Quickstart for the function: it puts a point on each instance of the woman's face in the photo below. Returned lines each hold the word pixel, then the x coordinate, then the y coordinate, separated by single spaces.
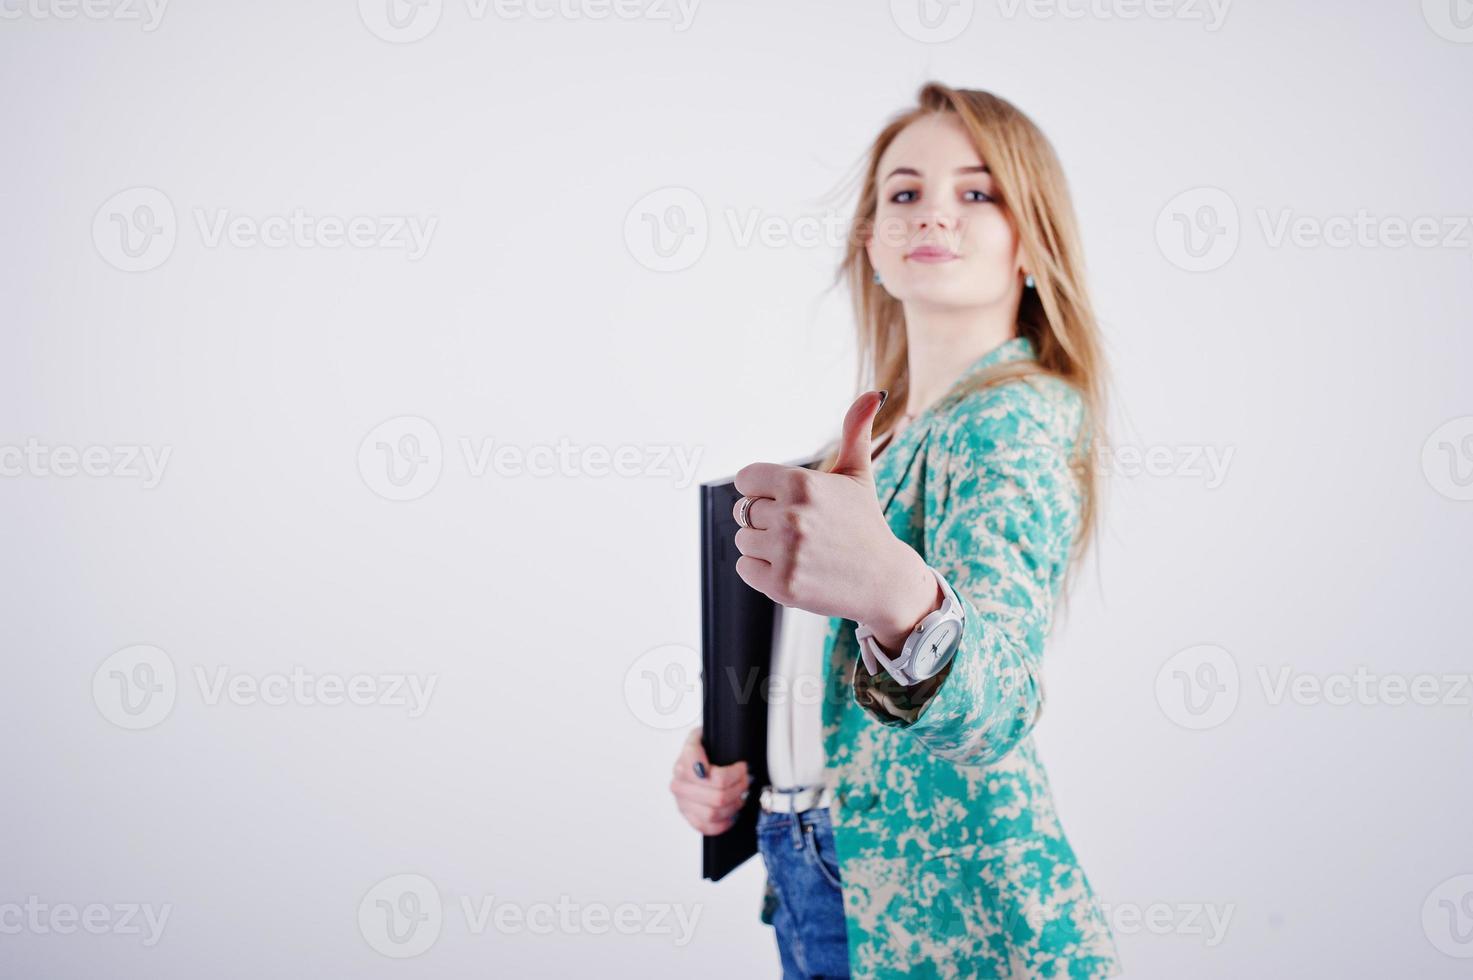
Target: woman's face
pixel 941 236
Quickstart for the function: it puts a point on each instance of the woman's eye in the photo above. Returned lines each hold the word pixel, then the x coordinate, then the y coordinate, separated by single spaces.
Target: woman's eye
pixel 899 197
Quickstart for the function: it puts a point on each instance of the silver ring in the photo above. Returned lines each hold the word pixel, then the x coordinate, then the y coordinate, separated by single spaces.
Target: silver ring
pixel 743 518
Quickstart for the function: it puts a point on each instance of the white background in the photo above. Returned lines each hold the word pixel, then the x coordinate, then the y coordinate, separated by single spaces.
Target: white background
pixel 1335 541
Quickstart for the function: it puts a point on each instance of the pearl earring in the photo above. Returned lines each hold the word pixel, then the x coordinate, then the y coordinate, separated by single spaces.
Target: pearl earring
pixel 1029 281
pixel 877 277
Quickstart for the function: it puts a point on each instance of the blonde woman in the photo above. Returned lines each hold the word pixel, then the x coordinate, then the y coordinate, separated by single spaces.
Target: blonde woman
pixel 908 827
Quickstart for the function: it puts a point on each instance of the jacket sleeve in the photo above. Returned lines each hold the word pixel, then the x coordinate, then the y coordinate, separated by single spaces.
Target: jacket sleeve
pixel 1002 508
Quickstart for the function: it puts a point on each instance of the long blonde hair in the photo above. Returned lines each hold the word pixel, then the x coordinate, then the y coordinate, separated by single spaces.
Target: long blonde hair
pixel 1056 316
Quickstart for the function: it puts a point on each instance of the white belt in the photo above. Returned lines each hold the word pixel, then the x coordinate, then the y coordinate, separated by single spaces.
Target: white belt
pixel 795 801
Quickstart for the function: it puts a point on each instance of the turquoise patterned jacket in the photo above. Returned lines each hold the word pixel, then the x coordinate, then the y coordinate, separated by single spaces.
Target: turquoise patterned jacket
pixel 953 860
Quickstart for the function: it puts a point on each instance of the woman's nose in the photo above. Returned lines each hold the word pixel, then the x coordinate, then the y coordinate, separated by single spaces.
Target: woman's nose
pixel 937 220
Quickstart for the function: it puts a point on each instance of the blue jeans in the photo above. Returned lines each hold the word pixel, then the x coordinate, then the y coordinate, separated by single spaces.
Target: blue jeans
pixel 798 849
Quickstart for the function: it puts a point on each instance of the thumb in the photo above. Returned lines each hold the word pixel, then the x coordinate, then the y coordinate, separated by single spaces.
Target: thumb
pixel 854 444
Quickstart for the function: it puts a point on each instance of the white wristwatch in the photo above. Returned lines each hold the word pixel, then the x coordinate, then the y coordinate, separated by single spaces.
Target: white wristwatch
pixel 928 647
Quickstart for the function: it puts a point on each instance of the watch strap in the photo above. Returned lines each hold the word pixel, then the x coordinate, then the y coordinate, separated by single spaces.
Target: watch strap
pixel 898 667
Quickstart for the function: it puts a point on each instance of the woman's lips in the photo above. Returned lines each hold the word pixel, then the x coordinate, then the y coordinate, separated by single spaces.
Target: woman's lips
pixel 928 253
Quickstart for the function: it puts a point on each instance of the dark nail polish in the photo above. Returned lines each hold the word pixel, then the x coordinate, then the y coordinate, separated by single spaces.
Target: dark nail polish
pixel 884 393
pixel 701 770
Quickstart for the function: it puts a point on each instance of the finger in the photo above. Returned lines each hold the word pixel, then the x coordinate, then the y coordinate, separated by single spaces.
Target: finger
pixel 760 515
pixel 708 826
pixel 854 444
pixel 764 480
pixel 718 816
pixel 766 545
pixel 693 751
pixel 718 777
pixel 696 793
pixel 757 573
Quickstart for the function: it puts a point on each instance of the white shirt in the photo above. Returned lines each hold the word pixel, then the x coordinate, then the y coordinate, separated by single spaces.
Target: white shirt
pixel 795 754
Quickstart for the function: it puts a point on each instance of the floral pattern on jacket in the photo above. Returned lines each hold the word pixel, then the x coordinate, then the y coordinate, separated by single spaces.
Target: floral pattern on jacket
pixel 952 856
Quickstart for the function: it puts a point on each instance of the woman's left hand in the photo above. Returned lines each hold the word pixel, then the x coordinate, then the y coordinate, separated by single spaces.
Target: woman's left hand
pixel 819 540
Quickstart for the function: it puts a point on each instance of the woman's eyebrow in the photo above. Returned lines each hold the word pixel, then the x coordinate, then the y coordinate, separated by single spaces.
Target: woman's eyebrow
pixel 913 172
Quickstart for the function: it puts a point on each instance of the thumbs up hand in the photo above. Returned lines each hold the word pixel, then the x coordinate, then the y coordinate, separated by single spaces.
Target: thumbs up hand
pixel 855 448
pixel 819 540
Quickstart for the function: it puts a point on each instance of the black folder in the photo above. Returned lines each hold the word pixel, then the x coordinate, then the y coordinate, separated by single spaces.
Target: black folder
pixel 736 660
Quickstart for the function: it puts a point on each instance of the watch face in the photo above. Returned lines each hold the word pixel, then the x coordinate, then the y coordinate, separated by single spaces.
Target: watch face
pixel 936 649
